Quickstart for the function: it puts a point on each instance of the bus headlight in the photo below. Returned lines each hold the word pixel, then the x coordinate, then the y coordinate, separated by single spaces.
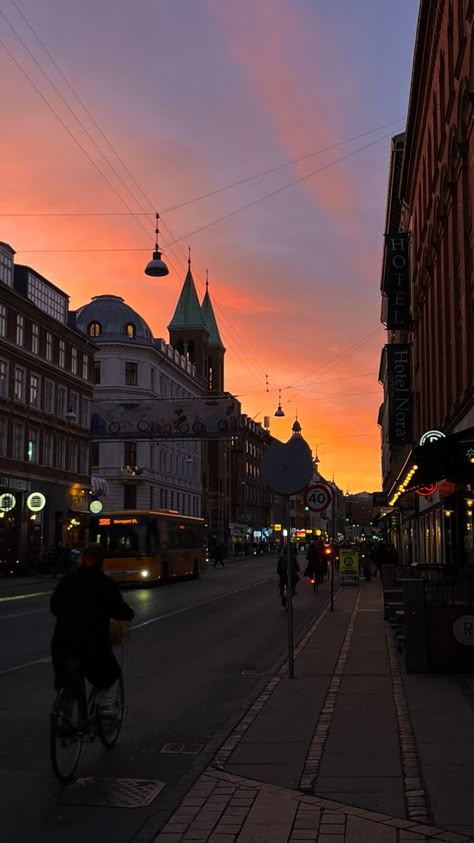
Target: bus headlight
pixel 145 573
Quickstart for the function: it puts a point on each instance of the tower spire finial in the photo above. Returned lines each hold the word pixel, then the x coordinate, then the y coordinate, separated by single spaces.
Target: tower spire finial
pixel 207 280
pixel 189 257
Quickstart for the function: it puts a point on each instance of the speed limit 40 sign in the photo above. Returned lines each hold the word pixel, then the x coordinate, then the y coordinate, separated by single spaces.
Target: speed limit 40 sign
pixel 318 497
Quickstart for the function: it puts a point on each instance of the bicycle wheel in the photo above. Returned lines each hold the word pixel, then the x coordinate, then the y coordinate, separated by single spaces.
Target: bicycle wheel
pixel 108 728
pixel 66 736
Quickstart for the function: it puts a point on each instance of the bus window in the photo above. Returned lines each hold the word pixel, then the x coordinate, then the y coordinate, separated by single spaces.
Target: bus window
pixel 122 540
pixel 154 535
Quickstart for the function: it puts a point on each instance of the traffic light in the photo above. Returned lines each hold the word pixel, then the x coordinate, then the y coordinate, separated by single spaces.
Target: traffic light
pixel 306 509
pixel 346 518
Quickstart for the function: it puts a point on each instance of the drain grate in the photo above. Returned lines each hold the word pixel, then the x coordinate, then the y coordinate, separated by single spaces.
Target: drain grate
pixel 112 793
pixel 182 748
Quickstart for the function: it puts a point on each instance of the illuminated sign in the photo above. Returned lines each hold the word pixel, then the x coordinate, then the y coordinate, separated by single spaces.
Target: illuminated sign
pixel 104 522
pixel 36 502
pixel 432 436
pixel 397 280
pixel 125 521
pixel 426 491
pixel 277 527
pixel 7 502
pixel 96 507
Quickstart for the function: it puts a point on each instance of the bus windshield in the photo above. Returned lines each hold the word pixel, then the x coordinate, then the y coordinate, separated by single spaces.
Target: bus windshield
pixel 121 537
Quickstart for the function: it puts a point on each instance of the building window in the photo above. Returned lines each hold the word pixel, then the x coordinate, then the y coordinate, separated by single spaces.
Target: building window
pixel 74 405
pixel 49 346
pixel 20 382
pixel 61 402
pixel 3 379
pixel 129 496
pixel 62 354
pixel 33 445
pixel 48 449
pixel 6 269
pixel 3 436
pixel 35 339
pixel 95 453
pixel 20 329
pixel 130 330
pixel 46 299
pixel 49 397
pixel 18 441
pixel 60 452
pixel 72 455
pixel 74 361
pixel 85 412
pixel 3 320
pixel 131 374
pixel 94 329
pixel 96 372
pixel 85 367
pixel 35 391
pixel 130 453
pixel 84 466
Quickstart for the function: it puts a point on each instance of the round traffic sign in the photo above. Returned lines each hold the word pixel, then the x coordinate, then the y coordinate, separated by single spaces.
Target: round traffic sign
pixel 318 497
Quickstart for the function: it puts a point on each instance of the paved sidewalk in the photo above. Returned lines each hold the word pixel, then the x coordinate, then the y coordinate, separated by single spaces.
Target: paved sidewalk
pixel 350 750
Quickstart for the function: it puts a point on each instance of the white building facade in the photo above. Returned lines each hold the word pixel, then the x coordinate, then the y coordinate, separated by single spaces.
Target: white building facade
pixel 131 365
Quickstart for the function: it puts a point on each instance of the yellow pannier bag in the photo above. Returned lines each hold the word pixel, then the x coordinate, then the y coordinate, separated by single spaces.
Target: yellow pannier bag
pixel 118 632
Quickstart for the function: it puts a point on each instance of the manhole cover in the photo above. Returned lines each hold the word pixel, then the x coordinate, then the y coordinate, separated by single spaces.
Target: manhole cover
pixel 112 793
pixel 182 748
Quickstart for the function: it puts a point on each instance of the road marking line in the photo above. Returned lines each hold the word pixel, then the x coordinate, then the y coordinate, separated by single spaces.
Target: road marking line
pixel 47 660
pixel 201 603
pixel 23 614
pixel 24 596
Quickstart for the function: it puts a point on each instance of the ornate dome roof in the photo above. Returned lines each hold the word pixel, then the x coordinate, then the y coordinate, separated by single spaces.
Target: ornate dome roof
pixel 108 318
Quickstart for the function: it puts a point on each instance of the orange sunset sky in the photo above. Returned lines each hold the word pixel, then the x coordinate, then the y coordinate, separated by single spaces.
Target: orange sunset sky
pixel 195 95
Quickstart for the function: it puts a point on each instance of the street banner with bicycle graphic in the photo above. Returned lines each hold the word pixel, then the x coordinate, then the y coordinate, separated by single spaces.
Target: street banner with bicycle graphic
pixel 199 418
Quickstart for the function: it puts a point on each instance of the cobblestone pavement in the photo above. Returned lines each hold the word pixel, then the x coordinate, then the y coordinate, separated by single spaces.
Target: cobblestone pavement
pixel 221 808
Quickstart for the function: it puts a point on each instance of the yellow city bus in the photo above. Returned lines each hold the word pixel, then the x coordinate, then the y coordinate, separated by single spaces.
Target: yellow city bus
pixel 150 546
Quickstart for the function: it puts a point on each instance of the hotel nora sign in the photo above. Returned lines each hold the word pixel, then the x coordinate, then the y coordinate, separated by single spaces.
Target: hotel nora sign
pixel 399 393
pixel 397 280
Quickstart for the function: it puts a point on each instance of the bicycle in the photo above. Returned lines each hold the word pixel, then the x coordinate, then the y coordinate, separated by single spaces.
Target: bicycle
pixel 76 719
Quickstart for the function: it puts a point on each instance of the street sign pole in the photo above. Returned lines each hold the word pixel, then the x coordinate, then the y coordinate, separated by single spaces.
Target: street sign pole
pixel 289 596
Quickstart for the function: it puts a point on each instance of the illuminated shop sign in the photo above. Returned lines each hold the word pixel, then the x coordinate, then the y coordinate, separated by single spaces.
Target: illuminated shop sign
pixel 36 502
pixel 7 502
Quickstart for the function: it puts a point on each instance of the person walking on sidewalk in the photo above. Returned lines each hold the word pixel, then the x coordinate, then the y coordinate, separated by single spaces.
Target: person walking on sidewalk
pixel 219 554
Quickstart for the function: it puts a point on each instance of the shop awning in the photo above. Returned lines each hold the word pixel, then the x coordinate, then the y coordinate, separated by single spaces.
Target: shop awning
pixel 449 458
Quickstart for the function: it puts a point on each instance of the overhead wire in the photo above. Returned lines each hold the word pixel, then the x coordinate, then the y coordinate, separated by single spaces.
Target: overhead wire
pixel 176 241
pixel 187 201
pixel 92 139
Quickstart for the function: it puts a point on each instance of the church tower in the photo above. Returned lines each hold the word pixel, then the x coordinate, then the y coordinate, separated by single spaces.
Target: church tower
pixel 216 350
pixel 187 329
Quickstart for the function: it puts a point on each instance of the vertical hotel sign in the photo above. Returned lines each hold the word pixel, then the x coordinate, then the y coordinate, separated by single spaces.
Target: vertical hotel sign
pixel 399 393
pixel 397 280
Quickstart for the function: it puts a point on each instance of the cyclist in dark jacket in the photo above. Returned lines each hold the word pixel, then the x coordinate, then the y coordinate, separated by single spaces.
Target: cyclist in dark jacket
pixel 282 571
pixel 84 603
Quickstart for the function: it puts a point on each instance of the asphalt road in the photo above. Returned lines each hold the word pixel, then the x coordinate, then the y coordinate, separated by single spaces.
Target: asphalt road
pixel 199 653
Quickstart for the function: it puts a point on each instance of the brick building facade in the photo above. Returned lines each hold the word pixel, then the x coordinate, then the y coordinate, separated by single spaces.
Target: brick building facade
pixel 435 197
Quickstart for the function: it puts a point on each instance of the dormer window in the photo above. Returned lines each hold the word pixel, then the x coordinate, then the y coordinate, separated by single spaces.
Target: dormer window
pixel 94 329
pixel 130 330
